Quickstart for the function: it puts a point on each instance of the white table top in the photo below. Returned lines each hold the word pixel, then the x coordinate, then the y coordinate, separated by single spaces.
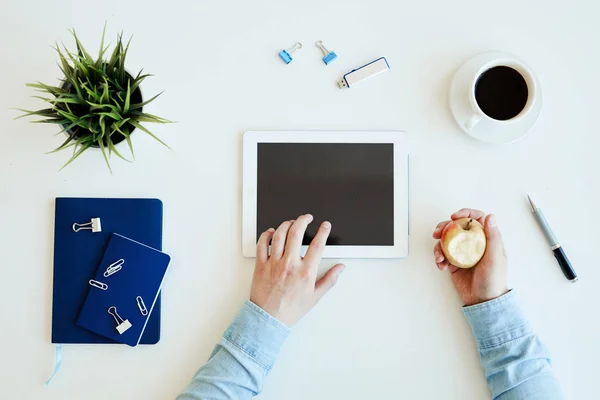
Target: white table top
pixel 390 329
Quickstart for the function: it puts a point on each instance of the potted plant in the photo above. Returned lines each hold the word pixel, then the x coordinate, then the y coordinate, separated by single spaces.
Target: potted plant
pixel 98 103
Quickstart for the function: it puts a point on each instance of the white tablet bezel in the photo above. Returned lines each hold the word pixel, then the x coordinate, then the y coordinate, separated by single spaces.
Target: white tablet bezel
pixel 401 194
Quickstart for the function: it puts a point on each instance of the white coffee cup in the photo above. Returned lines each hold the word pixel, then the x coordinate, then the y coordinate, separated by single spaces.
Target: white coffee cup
pixel 533 92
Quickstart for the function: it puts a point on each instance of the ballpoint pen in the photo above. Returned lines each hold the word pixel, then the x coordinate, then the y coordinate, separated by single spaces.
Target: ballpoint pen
pixel 559 253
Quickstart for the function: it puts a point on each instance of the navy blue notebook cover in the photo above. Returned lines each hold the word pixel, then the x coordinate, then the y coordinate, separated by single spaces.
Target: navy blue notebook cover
pixel 124 290
pixel 78 254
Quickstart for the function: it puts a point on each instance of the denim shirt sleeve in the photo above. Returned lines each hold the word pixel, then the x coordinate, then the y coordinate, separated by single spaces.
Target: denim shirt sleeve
pixel 516 362
pixel 240 362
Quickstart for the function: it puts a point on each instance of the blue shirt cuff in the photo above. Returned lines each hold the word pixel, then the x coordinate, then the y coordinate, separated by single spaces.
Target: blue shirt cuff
pixel 257 334
pixel 497 321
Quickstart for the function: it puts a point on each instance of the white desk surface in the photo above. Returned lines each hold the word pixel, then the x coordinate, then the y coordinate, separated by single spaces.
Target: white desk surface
pixel 390 329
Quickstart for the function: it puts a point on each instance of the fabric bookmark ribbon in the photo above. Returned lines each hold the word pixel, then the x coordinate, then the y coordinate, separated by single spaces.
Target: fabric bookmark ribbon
pixel 57 362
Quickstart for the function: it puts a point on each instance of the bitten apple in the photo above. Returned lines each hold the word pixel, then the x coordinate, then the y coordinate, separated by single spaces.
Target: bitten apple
pixel 463 242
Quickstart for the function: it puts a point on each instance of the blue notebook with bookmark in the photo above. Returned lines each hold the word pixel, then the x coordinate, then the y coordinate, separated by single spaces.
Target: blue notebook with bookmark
pixel 77 256
pixel 124 290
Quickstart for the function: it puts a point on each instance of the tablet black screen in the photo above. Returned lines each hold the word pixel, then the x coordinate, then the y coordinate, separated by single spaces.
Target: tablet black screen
pixel 350 185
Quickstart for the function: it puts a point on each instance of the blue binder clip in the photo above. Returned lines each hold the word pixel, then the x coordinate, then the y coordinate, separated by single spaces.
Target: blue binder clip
pixel 286 55
pixel 329 56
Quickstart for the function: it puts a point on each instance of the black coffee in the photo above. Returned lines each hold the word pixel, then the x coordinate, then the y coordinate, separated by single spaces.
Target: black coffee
pixel 501 93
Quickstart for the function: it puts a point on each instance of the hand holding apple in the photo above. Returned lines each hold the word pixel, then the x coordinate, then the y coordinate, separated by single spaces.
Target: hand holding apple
pixel 487 279
pixel 463 242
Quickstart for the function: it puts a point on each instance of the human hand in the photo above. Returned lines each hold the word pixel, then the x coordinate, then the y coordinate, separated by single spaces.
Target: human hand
pixel 488 279
pixel 285 285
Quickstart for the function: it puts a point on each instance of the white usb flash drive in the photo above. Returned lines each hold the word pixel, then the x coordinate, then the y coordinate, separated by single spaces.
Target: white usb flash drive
pixel 365 72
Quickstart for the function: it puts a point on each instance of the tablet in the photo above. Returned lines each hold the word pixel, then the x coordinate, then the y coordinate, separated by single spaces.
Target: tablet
pixel 356 180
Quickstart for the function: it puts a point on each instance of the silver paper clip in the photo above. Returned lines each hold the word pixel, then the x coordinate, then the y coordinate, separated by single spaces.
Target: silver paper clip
pixel 98 284
pixel 122 324
pixel 94 225
pixel 141 305
pixel 114 268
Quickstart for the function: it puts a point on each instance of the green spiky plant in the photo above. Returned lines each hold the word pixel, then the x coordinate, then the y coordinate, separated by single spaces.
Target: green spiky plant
pixel 98 103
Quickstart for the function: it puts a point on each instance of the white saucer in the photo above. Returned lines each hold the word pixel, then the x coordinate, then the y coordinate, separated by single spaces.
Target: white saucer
pixel 486 130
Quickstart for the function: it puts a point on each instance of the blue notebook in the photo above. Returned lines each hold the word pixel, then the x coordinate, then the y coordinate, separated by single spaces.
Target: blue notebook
pixel 124 290
pixel 78 254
